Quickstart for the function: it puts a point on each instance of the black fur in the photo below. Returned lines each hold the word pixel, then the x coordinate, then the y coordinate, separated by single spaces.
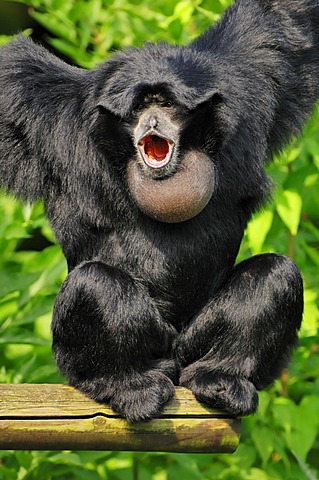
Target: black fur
pixel 149 305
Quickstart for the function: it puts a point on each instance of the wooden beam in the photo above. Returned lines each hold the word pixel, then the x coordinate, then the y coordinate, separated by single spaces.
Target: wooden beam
pixel 58 417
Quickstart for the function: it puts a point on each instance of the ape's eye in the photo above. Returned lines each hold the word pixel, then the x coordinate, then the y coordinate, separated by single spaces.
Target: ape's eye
pixel 138 107
pixel 167 104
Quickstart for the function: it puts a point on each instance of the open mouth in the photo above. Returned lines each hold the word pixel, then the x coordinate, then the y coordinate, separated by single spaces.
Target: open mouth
pixel 156 151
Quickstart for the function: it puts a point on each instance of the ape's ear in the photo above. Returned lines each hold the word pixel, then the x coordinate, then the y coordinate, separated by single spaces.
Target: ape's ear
pixel 204 114
pixel 40 105
pixel 209 103
pixel 205 124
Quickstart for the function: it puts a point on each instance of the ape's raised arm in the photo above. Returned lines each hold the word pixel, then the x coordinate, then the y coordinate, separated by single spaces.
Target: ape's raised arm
pixel 266 56
pixel 39 95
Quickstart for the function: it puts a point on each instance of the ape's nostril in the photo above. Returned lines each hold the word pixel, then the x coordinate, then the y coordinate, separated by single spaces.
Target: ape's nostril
pixel 153 122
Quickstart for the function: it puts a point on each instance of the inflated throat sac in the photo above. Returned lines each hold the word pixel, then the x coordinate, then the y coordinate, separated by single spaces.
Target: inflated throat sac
pixel 176 198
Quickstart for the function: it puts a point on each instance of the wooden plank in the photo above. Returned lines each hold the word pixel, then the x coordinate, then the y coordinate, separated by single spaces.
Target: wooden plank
pixel 61 400
pixel 58 417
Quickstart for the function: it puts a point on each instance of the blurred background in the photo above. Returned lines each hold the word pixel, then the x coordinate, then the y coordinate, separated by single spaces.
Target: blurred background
pixel 280 442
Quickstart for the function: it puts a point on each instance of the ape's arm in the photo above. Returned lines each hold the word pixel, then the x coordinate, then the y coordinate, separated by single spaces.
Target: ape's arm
pixel 39 95
pixel 266 59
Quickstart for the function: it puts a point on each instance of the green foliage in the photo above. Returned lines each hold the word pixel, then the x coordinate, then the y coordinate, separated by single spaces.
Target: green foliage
pixel 29 281
pixel 87 31
pixel 281 441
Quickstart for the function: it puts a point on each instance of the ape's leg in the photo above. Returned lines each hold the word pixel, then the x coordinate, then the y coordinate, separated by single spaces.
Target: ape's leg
pixel 111 343
pixel 243 338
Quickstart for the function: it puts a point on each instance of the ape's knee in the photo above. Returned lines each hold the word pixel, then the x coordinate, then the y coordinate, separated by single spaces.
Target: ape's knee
pixel 275 277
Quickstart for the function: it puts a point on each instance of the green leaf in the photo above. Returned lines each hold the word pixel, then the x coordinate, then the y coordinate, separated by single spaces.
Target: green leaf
pixel 312 252
pixel 258 229
pixel 66 458
pixel 305 469
pixel 16 337
pixel 289 206
pixel 305 427
pixel 15 231
pixel 257 474
pixel 57 24
pixel 298 422
pixel 212 16
pixel 184 11
pixel 263 438
pixel 81 57
pixel 310 321
pixel 12 282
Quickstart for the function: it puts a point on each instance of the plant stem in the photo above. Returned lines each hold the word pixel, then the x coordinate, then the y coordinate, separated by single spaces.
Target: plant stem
pixel 135 466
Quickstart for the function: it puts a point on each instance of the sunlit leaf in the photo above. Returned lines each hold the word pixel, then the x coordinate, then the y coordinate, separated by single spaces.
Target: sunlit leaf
pixel 258 229
pixel 289 206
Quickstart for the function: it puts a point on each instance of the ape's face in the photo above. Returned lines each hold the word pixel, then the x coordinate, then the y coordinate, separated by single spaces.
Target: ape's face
pixel 156 133
pixel 170 179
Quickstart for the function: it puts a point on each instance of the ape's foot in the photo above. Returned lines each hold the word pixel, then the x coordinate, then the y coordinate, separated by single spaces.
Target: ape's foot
pixel 234 395
pixel 137 397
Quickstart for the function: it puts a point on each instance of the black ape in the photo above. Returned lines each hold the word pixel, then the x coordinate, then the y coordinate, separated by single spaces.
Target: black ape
pixel 150 167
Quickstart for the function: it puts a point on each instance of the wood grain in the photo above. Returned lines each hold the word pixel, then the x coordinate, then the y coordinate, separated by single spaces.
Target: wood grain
pixel 58 417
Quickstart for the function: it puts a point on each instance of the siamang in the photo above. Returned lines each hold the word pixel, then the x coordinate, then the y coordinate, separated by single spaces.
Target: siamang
pixel 150 167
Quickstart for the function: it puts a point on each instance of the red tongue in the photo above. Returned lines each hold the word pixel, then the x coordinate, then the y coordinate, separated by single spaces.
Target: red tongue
pixel 156 147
